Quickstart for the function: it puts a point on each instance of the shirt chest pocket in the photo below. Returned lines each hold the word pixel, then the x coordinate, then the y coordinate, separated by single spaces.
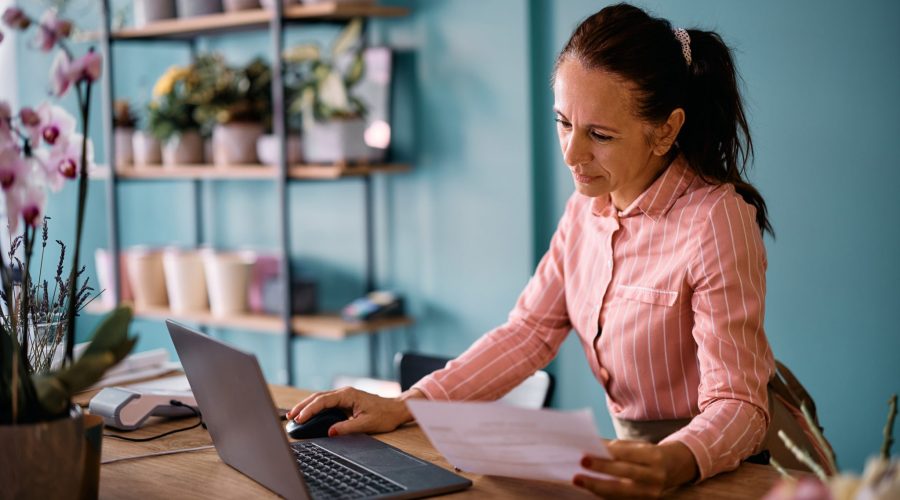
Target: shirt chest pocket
pixel 647 295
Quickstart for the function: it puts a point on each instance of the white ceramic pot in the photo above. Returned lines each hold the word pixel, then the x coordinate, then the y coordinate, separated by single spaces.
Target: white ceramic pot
pixel 270 4
pixel 183 149
pixel 268 149
pixel 148 281
pixel 233 5
pixel 191 8
pixel 104 277
pixel 148 11
pixel 335 141
pixel 227 279
pixel 122 137
pixel 185 280
pixel 146 148
pixel 235 143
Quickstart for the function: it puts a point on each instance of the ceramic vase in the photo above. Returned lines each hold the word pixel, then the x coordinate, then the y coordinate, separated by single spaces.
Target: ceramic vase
pixel 185 148
pixel 335 141
pixel 185 280
pixel 268 149
pixel 234 5
pixel 148 281
pixel 146 148
pixel 149 11
pixel 235 143
pixel 270 4
pixel 227 279
pixel 191 8
pixel 122 138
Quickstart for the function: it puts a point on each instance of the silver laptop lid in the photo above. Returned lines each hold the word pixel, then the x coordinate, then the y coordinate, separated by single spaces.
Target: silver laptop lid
pixel 238 410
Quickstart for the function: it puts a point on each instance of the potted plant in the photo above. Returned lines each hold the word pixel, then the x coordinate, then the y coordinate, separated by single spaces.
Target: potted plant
pixel 192 8
pixel 234 103
pixel 149 11
pixel 170 118
pixel 333 118
pixel 42 432
pixel 124 121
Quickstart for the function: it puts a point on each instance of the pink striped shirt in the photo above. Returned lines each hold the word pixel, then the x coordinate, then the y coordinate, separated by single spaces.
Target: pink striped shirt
pixel 667 298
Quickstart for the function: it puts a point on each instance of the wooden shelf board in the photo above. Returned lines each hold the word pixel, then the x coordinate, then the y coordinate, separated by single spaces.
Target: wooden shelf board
pixel 255 18
pixel 237 172
pixel 323 326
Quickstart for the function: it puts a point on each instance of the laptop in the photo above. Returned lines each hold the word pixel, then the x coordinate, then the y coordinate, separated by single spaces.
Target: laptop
pixel 236 405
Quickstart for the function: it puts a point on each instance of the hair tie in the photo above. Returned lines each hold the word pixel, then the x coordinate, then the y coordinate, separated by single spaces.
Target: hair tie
pixel 684 39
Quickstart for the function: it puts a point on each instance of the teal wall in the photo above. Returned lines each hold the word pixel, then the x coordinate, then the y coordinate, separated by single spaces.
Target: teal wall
pixel 460 234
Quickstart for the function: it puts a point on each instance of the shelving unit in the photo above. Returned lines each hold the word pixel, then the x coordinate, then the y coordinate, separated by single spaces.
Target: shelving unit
pixel 326 326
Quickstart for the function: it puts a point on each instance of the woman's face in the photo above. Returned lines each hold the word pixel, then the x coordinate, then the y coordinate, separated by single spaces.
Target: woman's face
pixel 606 146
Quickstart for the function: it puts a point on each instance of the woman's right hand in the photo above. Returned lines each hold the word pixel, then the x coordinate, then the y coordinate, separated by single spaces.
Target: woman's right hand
pixel 368 413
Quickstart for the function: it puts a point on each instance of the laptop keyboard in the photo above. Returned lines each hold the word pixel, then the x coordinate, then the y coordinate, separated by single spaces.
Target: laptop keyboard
pixel 331 476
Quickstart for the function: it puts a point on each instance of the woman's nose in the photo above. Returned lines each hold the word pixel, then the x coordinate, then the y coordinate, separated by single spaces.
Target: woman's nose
pixel 576 149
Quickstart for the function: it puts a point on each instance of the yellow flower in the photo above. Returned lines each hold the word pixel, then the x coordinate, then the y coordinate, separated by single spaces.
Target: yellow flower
pixel 167 81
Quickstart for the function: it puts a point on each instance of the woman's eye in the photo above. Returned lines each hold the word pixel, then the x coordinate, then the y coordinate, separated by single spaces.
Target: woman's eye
pixel 600 137
pixel 562 123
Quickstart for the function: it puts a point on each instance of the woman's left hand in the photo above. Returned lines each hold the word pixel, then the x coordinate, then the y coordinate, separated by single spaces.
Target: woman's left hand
pixel 639 469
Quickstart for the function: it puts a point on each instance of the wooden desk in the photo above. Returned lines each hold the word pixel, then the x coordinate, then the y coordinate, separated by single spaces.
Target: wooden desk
pixel 201 474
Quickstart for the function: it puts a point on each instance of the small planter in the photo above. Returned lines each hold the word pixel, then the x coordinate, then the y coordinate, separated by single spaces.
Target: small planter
pixel 227 279
pixel 270 4
pixel 148 281
pixel 235 143
pixel 123 144
pixel 335 141
pixel 183 149
pixel 191 8
pixel 268 149
pixel 146 149
pixel 104 277
pixel 148 11
pixel 233 5
pixel 185 280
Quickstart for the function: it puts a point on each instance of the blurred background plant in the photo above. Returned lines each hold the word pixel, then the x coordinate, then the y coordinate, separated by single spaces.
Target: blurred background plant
pixel 171 110
pixel 124 115
pixel 224 94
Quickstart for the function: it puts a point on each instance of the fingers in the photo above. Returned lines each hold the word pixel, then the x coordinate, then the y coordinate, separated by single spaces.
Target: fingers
pixel 638 452
pixel 614 488
pixel 302 404
pixel 626 470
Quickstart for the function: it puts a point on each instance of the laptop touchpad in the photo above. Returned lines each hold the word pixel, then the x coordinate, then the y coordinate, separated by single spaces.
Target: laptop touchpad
pixel 385 459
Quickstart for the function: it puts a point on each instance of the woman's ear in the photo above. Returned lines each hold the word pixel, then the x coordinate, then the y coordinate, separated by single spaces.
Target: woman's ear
pixel 667 132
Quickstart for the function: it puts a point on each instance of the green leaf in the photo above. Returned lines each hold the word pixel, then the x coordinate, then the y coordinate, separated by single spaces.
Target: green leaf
pixel 112 332
pixel 348 38
pixel 356 71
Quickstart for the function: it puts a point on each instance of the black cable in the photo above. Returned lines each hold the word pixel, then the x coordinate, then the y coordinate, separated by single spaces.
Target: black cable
pixel 173 402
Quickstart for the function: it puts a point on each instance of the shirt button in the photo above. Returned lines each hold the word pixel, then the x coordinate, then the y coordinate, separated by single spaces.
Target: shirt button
pixel 609 264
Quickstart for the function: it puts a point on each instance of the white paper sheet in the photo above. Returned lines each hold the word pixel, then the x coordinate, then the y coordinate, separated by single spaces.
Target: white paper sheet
pixel 503 440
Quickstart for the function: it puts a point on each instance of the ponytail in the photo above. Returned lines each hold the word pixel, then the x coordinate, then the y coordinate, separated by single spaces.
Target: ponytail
pixel 699 77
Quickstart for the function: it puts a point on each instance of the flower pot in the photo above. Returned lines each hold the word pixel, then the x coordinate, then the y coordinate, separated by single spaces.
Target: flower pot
pixel 146 149
pixel 270 4
pixel 183 149
pixel 104 277
pixel 227 279
pixel 235 143
pixel 268 149
pixel 122 137
pixel 335 141
pixel 148 11
pixel 44 459
pixel 185 280
pixel 265 270
pixel 233 5
pixel 145 272
pixel 191 8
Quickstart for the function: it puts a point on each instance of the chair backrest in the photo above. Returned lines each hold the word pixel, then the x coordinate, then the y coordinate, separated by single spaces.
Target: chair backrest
pixel 533 392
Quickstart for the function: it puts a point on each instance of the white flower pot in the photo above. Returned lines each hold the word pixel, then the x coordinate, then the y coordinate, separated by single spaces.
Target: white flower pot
pixel 148 11
pixel 227 279
pixel 233 5
pixel 270 4
pixel 185 280
pixel 146 148
pixel 191 8
pixel 268 149
pixel 122 138
pixel 148 281
pixel 104 277
pixel 183 149
pixel 235 143
pixel 335 141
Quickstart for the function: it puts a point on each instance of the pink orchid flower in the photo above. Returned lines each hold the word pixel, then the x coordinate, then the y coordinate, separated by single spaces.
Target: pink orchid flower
pixel 59 74
pixel 52 29
pixel 5 122
pixel 87 67
pixel 31 122
pixel 1 37
pixel 64 161
pixel 25 200
pixel 56 123
pixel 12 165
pixel 15 18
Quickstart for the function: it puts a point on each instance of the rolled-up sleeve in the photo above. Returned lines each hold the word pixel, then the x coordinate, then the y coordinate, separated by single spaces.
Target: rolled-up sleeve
pixel 735 361
pixel 527 342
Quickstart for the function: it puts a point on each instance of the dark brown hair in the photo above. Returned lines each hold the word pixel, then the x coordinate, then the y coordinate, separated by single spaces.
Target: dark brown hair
pixel 715 139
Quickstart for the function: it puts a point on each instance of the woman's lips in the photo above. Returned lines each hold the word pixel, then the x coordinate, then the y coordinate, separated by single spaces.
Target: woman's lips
pixel 582 179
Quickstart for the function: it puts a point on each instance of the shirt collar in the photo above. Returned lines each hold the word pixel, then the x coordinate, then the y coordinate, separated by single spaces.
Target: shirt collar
pixel 657 199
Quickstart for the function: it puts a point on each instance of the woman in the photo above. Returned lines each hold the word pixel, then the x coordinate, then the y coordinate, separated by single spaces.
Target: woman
pixel 658 263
